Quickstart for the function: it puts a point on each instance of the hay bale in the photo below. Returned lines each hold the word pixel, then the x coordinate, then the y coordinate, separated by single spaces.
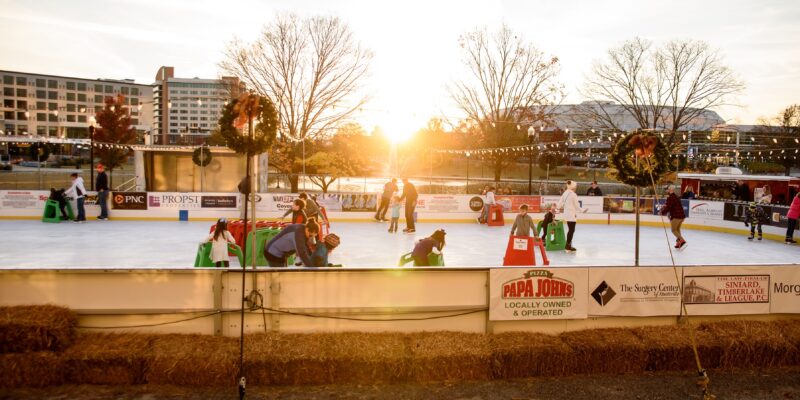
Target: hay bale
pixel 523 354
pixel 669 348
pixel 437 356
pixel 612 350
pixel 107 359
pixel 37 369
pixel 790 329
pixel 193 360
pixel 36 328
pixel 747 344
pixel 325 358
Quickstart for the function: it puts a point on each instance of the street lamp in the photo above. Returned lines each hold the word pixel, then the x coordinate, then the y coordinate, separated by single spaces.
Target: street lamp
pixel 531 137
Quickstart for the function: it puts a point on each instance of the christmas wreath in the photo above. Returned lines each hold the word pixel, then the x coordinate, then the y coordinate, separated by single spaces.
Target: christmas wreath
pixel 653 159
pixel 238 113
pixel 202 156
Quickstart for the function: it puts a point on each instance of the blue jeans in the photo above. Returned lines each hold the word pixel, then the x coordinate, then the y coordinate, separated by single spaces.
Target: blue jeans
pixel 81 210
pixel 102 200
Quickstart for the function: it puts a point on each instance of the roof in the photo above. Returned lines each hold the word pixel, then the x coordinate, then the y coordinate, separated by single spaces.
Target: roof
pixel 575 116
pixel 118 81
pixel 715 177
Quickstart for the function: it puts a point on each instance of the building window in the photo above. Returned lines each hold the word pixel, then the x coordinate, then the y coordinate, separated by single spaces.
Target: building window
pixel 42 117
pixel 70 85
pixel 53 131
pixel 8 91
pixel 22 81
pixel 22 92
pixel 70 96
pixel 52 95
pixel 21 116
pixel 98 88
pixel 81 86
pixel 98 109
pixel 98 98
pixel 41 83
pixel 41 94
pixel 81 118
pixel 52 118
pixel 52 84
pixel 8 115
pixel 134 122
pixel 41 130
pixel 134 91
pixel 70 118
pixel 81 97
pixel 124 90
pixel 8 80
pixel 40 105
pixel 8 103
pixel 134 101
pixel 22 104
pixel 70 107
pixel 52 106
pixel 109 89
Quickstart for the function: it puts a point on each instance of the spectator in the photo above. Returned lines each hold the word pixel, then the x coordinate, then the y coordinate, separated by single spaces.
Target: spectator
pixel 741 191
pixel 219 240
pixel 767 197
pixel 523 224
pixel 101 186
pixel 791 219
pixel 594 190
pixel 78 191
pixel 410 196
pixel 674 208
pixel 389 189
pixel 292 240
pixel 688 193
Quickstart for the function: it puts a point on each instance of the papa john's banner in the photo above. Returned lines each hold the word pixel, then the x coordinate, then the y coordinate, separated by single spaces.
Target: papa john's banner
pixel 726 290
pixel 634 292
pixel 519 294
pixel 785 290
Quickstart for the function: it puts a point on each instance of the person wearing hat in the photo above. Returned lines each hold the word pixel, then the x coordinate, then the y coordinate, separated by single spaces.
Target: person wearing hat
pixel 101 186
pixel 320 256
pixel 431 244
pixel 570 205
pixel 674 208
pixel 755 216
pixel 219 240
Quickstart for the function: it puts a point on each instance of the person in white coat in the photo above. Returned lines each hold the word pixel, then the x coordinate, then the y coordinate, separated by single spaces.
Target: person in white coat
pixel 78 191
pixel 219 243
pixel 570 206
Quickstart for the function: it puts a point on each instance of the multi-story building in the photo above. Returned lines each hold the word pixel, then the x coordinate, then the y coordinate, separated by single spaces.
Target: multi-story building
pixel 60 106
pixel 186 111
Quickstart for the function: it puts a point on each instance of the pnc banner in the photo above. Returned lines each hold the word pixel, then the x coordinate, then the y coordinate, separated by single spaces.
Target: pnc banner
pixel 129 200
pixel 634 292
pixel 518 294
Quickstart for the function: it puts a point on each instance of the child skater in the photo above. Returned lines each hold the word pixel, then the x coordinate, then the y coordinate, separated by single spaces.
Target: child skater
pixel 219 243
pixel 395 206
pixel 432 244
pixel 549 217
pixel 523 224
pixel 298 212
pixel 322 250
pixel 755 215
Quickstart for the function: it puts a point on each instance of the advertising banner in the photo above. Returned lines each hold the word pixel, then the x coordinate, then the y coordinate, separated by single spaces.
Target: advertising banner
pixel 726 290
pixel 657 206
pixel 218 201
pixel 357 202
pixel 129 200
pixel 785 290
pixel 548 200
pixel 333 202
pixel 512 203
pixel 626 205
pixel 444 203
pixel 706 209
pixel 519 294
pixel 182 201
pixel 594 204
pixel 634 292
pixel 23 199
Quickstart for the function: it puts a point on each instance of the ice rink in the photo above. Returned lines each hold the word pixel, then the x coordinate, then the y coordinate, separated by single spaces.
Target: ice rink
pixel 145 244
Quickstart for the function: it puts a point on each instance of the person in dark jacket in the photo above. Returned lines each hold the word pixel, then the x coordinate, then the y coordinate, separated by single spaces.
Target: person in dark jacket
pixel 410 196
pixel 320 256
pixel 389 190
pixel 688 193
pixel 755 216
pixel 674 208
pixel 434 243
pixel 594 190
pixel 292 239
pixel 298 212
pixel 101 186
pixel 741 191
pixel 549 218
pixel 58 195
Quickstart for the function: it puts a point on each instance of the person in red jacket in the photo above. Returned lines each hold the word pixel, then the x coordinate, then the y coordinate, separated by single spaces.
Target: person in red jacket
pixel 674 208
pixel 791 217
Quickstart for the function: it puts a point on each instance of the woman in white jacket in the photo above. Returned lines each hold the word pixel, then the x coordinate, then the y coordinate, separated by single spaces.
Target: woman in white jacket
pixel 570 206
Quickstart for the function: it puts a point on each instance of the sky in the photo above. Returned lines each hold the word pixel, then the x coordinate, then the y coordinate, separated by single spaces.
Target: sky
pixel 415 43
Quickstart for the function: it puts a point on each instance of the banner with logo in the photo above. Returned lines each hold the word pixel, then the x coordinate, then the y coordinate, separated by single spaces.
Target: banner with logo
pixel 657 206
pixel 512 203
pixel 519 294
pixel 785 290
pixel 23 199
pixel 726 290
pixel 706 209
pixel 627 205
pixel 333 202
pixel 444 203
pixel 634 292
pixel 177 201
pixel 129 200
pixel 218 201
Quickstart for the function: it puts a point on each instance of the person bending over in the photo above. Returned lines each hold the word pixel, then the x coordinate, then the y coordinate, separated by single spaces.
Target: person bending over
pixel 292 240
pixel 298 212
pixel 431 244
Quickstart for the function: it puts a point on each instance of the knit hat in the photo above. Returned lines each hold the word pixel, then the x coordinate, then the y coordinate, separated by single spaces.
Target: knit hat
pixel 752 204
pixel 331 240
pixel 572 185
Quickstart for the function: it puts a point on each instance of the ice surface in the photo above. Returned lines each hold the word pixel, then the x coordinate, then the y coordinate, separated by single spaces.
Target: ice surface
pixel 159 244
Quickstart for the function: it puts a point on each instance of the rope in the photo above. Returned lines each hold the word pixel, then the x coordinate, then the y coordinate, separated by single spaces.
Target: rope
pixel 704 380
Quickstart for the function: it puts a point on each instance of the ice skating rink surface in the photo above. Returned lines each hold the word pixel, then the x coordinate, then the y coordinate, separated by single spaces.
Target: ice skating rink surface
pixel 158 244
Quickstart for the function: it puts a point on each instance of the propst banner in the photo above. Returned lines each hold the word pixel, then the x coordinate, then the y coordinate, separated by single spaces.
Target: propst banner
pixel 726 290
pixel 530 294
pixel 634 292
pixel 785 290
pixel 707 209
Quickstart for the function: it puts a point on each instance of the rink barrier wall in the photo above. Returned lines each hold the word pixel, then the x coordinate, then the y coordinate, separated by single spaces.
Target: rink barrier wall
pixel 454 299
pixel 162 206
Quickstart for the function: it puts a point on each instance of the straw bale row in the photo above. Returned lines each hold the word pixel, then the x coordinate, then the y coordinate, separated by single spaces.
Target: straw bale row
pixel 36 328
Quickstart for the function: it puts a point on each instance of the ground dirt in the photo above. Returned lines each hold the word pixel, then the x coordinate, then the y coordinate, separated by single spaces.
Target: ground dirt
pixel 734 385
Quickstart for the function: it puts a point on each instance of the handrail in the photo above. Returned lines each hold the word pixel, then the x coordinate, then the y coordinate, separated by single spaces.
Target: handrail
pixel 130 182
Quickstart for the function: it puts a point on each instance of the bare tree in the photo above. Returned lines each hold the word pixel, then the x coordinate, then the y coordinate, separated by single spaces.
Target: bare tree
pixel 510 83
pixel 666 88
pixel 783 132
pixel 312 69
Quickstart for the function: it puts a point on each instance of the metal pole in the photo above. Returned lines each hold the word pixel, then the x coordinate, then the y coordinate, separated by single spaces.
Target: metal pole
pixel 304 162
pixel 530 172
pixel 636 260
pixel 466 190
pixel 91 156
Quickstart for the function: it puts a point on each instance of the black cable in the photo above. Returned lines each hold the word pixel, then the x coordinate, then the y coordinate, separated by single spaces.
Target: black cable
pixel 156 324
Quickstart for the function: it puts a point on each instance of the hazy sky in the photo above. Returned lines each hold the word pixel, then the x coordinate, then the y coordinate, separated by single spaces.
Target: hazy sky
pixel 415 42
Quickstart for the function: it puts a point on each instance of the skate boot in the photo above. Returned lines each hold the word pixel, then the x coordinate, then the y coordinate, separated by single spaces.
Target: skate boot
pixel 750 238
pixel 759 237
pixel 569 248
pixel 790 241
pixel 681 244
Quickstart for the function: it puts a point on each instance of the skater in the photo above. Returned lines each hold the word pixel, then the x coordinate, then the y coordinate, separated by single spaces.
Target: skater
pixel 486 204
pixel 78 191
pixel 410 195
pixel 594 190
pixel 292 239
pixel 688 194
pixel 322 250
pixel 549 217
pixel 523 224
pixel 570 206
pixel 395 206
pixel 311 208
pixel 389 189
pixel 297 211
pixel 755 217
pixel 791 219
pixel 219 240
pixel 101 186
pixel 58 195
pixel 432 244
pixel 674 208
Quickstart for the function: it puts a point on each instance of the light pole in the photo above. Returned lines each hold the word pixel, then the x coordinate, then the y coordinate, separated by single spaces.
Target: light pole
pixel 531 136
pixel 91 152
pixel 466 190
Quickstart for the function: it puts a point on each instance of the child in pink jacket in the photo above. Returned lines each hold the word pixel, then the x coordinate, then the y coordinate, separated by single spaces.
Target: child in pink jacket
pixel 791 217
